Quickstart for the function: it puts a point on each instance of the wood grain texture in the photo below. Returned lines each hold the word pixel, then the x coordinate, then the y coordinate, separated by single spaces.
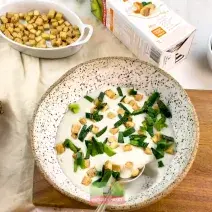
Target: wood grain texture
pixel 194 194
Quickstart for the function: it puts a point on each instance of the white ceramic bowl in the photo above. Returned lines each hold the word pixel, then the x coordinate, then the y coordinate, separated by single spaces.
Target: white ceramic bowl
pixel 209 53
pixel 43 7
pixel 125 72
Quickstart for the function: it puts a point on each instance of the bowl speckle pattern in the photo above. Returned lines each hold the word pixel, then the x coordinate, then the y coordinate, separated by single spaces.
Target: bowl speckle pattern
pixel 115 71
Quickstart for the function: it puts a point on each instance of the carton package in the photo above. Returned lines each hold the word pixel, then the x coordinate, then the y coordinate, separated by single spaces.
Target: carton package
pixel 150 30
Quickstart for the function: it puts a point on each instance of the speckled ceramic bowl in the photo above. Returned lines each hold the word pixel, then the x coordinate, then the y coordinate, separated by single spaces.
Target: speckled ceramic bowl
pixel 116 71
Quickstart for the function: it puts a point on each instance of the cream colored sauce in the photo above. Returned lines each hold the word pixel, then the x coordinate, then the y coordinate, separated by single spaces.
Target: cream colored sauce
pixel 137 155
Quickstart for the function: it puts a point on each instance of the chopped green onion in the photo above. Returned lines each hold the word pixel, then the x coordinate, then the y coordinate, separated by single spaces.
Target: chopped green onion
pixel 149 103
pixel 163 145
pixel 89 115
pixel 161 123
pixel 105 141
pixel 79 161
pixel 101 97
pixel 94 116
pixel 98 145
pixel 150 130
pixel 153 113
pixel 119 91
pixel 138 137
pixel 89 149
pixel 101 132
pixel 98 183
pixel 90 99
pixel 149 120
pixel 74 108
pixel 139 143
pixel 69 144
pixel 84 131
pixel 120 116
pixel 123 120
pixel 122 98
pixel 168 138
pixel 138 112
pixel 164 109
pixel 152 99
pixel 157 153
pixel 97 117
pixel 132 92
pixel 147 125
pixel 129 131
pixel 160 164
pixel 99 173
pixel 106 176
pixel 102 181
pixel 121 137
pixel 101 106
pixel 108 150
pixel 116 175
pixel 123 107
pixel 94 151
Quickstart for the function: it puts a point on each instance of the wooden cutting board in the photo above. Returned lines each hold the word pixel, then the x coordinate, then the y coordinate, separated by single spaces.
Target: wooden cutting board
pixel 194 194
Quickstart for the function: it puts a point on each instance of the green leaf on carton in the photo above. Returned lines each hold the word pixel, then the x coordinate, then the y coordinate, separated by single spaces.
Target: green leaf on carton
pixel 97 8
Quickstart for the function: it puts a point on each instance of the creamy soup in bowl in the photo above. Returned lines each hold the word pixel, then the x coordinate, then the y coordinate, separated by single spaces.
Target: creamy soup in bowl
pixel 119 130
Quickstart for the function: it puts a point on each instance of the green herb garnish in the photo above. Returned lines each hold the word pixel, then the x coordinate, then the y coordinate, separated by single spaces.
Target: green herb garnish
pixel 105 141
pixel 120 116
pixel 69 144
pixel 89 149
pixel 168 138
pixel 84 131
pixel 158 153
pixel 149 103
pixel 129 131
pixel 160 123
pixel 139 143
pixel 123 120
pixel 98 146
pixel 101 132
pixel 90 99
pixel 74 108
pixel 101 97
pixel 163 145
pixel 100 106
pixel 102 181
pixel 123 107
pixel 148 125
pixel 132 92
pixel 108 150
pixel 116 175
pixel 79 161
pixel 94 116
pixel 138 140
pixel 119 91
pixel 121 137
pixel 160 164
pixel 97 117
pixel 122 98
pixel 164 109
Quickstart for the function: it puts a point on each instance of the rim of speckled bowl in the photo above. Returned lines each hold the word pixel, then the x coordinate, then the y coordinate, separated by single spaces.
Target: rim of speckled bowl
pixel 157 197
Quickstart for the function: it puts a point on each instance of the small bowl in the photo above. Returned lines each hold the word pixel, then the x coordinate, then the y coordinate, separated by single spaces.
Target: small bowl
pixel 209 53
pixel 125 72
pixel 43 6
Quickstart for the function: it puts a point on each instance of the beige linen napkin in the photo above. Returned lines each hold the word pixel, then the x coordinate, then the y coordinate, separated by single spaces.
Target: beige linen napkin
pixel 23 80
